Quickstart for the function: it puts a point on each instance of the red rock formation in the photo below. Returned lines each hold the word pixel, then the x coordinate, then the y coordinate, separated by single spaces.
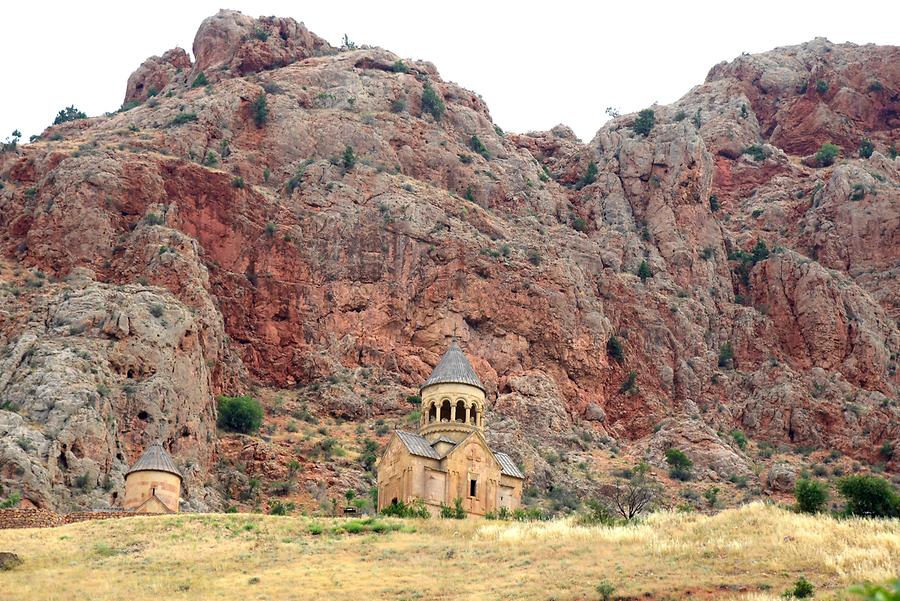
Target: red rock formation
pixel 315 266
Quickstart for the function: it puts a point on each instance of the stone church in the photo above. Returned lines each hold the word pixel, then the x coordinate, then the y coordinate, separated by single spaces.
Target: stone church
pixel 448 458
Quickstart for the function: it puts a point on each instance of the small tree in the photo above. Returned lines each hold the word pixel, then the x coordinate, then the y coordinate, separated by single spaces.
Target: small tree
pixel 644 271
pixel 866 148
pixel 478 146
pixel 803 589
pixel 713 203
pixel 760 251
pixel 432 103
pixel 632 496
pixel 348 159
pixel 726 356
pixel 12 142
pixel 811 495
pixel 614 350
pixel 645 121
pixel 870 496
pixel 679 464
pixel 826 154
pixel 239 414
pixel 260 109
pixel 200 80
pixel 589 177
pixel 70 113
pixel 629 386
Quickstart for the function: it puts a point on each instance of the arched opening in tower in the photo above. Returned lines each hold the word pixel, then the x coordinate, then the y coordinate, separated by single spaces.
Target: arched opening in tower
pixel 445 410
pixel 460 411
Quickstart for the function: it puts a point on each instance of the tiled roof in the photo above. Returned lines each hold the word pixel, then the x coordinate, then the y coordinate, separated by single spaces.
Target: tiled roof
pixel 155 458
pixel 508 466
pixel 417 445
pixel 454 368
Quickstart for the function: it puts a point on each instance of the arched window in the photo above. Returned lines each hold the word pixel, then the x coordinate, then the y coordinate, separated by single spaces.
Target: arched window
pixel 432 413
pixel 445 410
pixel 461 411
pixel 473 415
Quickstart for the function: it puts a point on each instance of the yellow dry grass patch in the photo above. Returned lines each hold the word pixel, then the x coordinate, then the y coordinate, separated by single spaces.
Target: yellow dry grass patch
pixel 755 552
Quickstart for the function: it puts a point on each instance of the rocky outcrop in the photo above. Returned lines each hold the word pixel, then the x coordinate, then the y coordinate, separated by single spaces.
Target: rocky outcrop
pixel 237 44
pixel 295 264
pixel 156 74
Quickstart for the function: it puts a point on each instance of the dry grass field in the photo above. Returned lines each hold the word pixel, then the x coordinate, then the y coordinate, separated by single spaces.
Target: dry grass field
pixel 753 552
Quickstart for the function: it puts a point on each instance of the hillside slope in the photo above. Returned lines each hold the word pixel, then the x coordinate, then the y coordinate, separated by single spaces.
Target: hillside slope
pixel 195 243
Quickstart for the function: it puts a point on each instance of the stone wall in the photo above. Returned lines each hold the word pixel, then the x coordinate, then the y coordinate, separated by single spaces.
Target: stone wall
pixel 44 518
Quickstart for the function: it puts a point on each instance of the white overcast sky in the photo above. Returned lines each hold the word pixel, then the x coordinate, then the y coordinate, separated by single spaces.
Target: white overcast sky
pixel 536 64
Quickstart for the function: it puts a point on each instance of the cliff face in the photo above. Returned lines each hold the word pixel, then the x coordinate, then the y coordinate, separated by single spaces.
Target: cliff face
pixel 162 255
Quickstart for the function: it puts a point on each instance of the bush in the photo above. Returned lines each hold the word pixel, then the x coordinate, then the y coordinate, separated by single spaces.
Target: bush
pixel 811 495
pixel 713 203
pixel 534 256
pixel 680 464
pixel 579 224
pixel 821 86
pixel 644 123
pixel 260 109
pixel 402 510
pixel 478 146
pixel 614 349
pixel 456 512
pixel 803 589
pixel 869 496
pixel 157 310
pixel 399 67
pixel 606 590
pixel 740 438
pixel 644 271
pixel 11 142
pixel 239 414
pixel 348 159
pixel 70 113
pixel 432 103
pixel 726 355
pixel 11 501
pixel 680 116
pixel 886 450
pixel 398 105
pixel 872 592
pixel 826 154
pixel 238 182
pixel 277 507
pixel 589 177
pixel 756 152
pixel 182 118
pixel 629 386
pixel 200 80
pixel 866 148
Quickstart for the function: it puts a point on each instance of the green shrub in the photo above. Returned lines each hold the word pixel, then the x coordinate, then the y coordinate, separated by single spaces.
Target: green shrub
pixel 644 122
pixel 869 496
pixel 182 118
pixel 432 103
pixel 534 256
pixel 70 113
pixel 157 310
pixel 478 146
pixel 821 86
pixel 154 219
pixel 200 80
pixel 589 177
pixel 873 592
pixel 315 529
pixel 740 438
pixel 348 159
pixel 886 450
pixel 759 252
pixel 756 152
pixel 454 513
pixel 875 86
pixel 826 154
pixel 239 414
pixel 579 224
pixel 260 109
pixel 238 182
pixel 399 67
pixel 713 203
pixel 644 272
pixel 261 34
pixel 680 116
pixel 858 192
pixel 12 142
pixel 614 350
pixel 811 495
pixel 606 589
pixel 11 501
pixel 402 510
pixel 680 464
pixel 802 589
pixel 726 355
pixel 866 148
pixel 469 193
pixel 277 507
pixel 629 386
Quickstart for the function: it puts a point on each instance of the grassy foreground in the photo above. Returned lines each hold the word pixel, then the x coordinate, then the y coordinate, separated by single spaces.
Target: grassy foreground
pixel 752 552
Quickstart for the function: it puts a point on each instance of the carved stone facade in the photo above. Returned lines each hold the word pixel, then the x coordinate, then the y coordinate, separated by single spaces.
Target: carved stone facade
pixel 448 458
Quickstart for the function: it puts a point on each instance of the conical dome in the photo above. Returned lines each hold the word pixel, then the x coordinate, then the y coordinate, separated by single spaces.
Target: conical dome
pixel 155 459
pixel 454 368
